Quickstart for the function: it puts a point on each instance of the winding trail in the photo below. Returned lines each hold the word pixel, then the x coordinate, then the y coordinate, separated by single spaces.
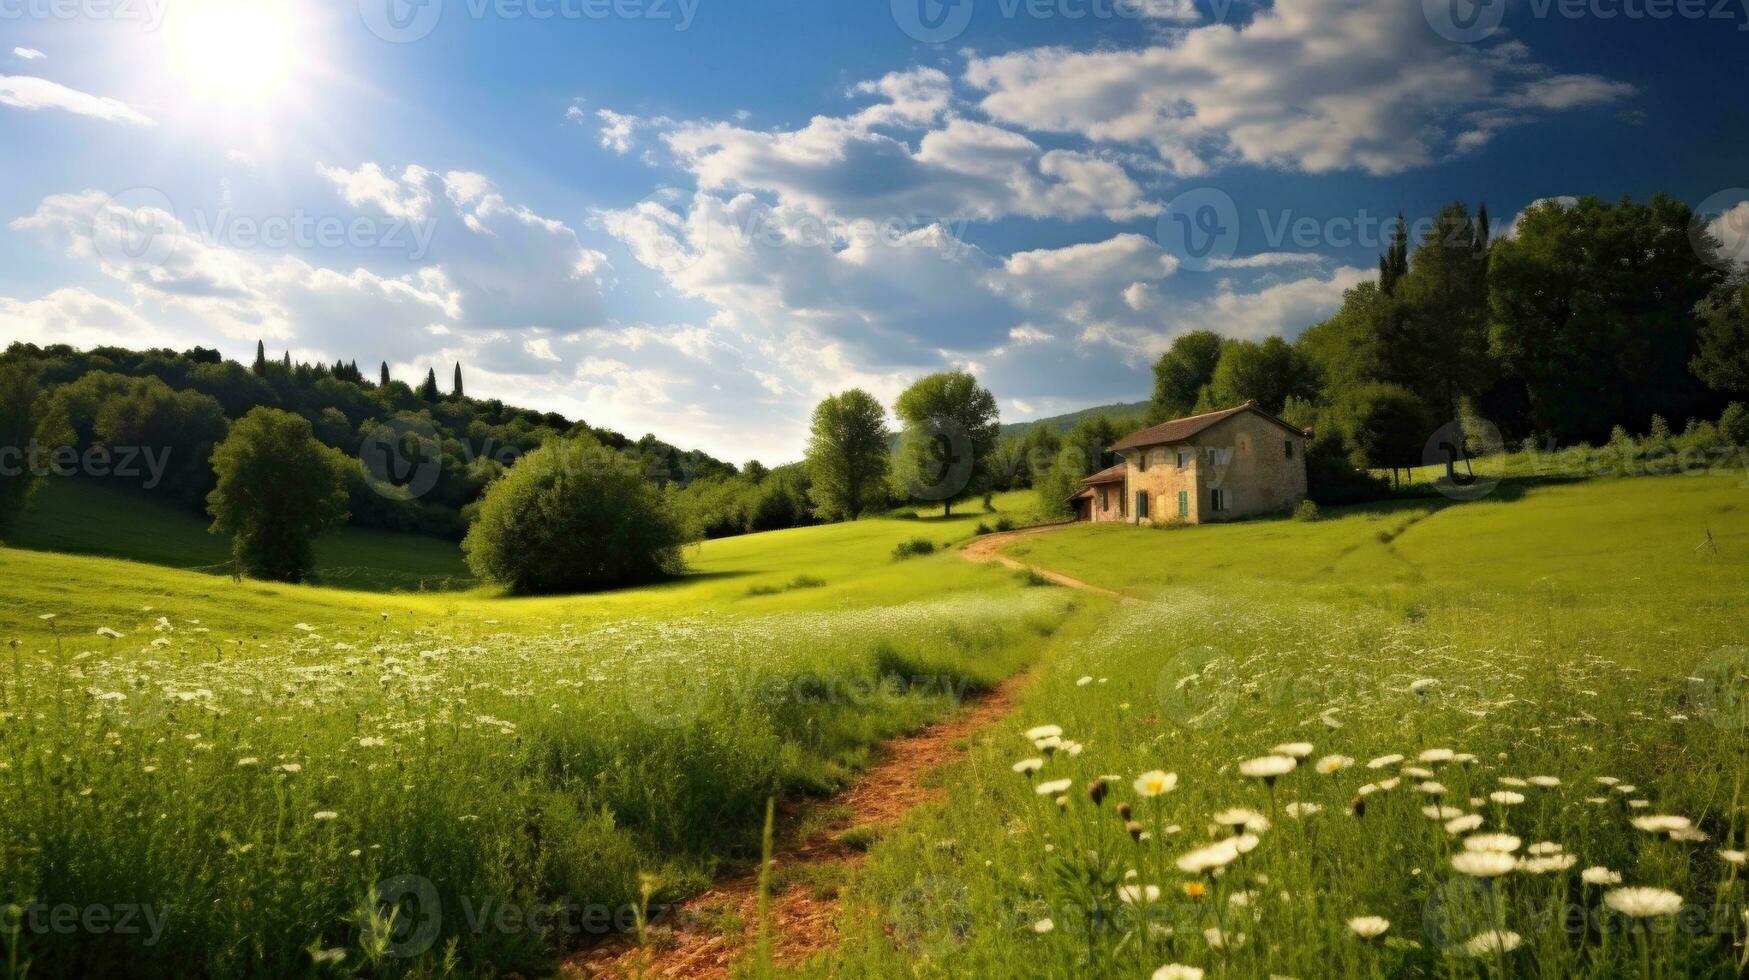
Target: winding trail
pixel 706 935
pixel 988 549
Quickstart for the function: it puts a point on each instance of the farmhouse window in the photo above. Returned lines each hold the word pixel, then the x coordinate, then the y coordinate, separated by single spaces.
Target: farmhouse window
pixel 1218 500
pixel 1184 459
pixel 1141 505
pixel 1290 448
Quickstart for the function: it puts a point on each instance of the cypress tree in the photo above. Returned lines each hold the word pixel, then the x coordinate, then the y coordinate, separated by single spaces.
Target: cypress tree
pixel 428 390
pixel 260 358
pixel 385 376
pixel 458 380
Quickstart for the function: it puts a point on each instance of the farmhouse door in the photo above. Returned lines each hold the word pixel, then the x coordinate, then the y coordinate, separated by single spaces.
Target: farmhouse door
pixel 1141 505
pixel 1184 504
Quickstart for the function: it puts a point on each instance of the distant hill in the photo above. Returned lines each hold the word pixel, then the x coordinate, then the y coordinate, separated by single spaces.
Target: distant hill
pixel 1063 423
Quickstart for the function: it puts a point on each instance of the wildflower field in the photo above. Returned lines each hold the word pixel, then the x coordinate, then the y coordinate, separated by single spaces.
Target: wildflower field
pixel 1502 738
pixel 1499 738
pixel 203 777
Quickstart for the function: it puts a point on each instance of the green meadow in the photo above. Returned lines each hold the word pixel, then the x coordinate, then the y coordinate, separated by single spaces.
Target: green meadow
pixel 1275 759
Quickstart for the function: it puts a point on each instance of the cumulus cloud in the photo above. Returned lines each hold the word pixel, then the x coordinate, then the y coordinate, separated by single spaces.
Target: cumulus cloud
pixel 28 54
pixel 33 94
pixel 514 268
pixel 856 167
pixel 1309 85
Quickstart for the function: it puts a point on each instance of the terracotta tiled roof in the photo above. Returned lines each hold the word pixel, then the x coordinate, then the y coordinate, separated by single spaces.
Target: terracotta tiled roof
pixel 1113 475
pixel 1178 430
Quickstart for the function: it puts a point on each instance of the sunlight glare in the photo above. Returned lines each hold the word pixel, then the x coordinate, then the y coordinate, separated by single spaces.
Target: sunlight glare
pixel 243 53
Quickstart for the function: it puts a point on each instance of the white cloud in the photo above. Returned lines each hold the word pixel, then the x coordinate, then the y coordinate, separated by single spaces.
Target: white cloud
pixel 404 197
pixel 33 94
pixel 616 130
pixel 959 169
pixel 1311 85
pixel 28 54
pixel 83 319
pixel 514 268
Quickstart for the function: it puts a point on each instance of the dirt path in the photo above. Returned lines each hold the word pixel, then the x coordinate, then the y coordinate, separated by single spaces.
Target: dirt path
pixel 709 933
pixel 988 549
pixel 717 928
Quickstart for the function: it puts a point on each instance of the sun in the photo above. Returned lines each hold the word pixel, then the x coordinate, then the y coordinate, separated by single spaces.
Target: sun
pixel 240 53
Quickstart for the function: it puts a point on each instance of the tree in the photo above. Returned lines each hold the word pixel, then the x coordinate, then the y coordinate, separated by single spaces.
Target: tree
pixel 1438 342
pixel 278 488
pixel 1723 360
pixel 1593 307
pixel 260 359
pixel 20 413
pixel 458 381
pixel 1182 373
pixel 383 378
pixel 847 455
pixel 951 426
pixel 1394 264
pixel 574 516
pixel 1060 482
pixel 1384 426
pixel 428 388
pixel 1269 373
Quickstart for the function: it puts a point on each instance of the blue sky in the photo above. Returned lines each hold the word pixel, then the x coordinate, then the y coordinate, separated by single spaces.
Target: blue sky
pixel 697 217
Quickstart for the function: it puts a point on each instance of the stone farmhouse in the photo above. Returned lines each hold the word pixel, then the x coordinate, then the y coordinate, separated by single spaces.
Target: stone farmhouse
pixel 1219 466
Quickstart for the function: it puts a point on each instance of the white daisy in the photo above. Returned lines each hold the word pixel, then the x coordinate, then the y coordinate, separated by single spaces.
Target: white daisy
pixel 1368 926
pixel 1492 942
pixel 1643 903
pixel 1154 783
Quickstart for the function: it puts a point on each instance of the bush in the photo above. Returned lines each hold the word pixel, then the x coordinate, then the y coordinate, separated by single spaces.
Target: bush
pixel 1734 424
pixel 981 530
pixel 1004 524
pixel 277 489
pixel 1307 511
pixel 574 516
pixel 913 548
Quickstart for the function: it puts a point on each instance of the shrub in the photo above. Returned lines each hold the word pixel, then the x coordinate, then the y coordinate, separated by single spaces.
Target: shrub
pixel 806 582
pixel 1734 424
pixel 277 489
pixel 1306 511
pixel 913 548
pixel 1032 579
pixel 1004 524
pixel 574 516
pixel 981 530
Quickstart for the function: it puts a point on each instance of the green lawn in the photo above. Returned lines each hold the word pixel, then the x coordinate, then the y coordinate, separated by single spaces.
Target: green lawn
pixel 530 749
pixel 86 518
pixel 1568 632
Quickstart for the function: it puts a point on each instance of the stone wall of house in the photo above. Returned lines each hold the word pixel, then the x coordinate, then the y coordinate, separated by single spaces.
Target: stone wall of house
pixel 1246 457
pixel 1159 475
pixel 1260 466
pixel 1108 503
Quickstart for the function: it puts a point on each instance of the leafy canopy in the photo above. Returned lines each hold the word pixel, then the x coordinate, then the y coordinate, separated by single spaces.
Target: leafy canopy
pixel 277 489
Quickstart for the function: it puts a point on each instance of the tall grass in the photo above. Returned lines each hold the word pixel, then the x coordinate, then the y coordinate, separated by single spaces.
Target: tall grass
pixel 1554 685
pixel 373 800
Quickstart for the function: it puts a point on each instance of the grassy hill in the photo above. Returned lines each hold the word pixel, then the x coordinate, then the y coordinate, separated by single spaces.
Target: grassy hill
pixel 87 518
pixel 529 749
pixel 1063 423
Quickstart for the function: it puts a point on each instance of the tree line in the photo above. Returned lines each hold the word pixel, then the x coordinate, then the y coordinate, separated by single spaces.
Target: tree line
pixel 1587 319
